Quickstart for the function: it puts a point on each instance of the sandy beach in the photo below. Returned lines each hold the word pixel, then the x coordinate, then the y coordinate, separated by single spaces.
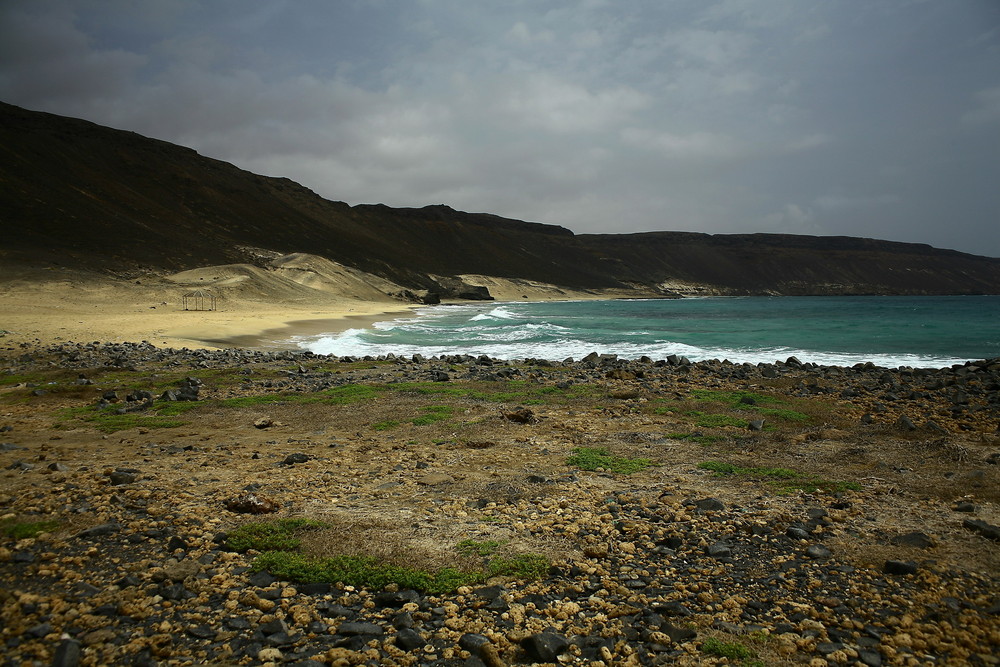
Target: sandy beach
pixel 65 306
pixel 253 308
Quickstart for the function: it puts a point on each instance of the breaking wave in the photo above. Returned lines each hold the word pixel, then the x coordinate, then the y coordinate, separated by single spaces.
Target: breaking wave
pixel 836 331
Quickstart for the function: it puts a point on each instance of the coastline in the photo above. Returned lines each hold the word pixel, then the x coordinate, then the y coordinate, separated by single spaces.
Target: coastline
pixel 39 306
pixel 46 308
pixel 278 338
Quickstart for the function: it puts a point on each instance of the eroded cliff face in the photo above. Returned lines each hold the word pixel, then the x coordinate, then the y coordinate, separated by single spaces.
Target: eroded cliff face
pixel 78 194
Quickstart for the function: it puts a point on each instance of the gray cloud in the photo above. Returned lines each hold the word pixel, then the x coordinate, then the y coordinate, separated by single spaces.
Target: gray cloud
pixel 877 119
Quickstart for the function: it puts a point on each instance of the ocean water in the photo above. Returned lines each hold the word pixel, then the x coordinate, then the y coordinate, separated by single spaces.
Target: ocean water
pixel 927 332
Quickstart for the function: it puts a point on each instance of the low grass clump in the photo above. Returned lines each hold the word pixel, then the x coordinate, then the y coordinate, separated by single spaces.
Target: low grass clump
pixel 280 535
pixel 519 566
pixel 784 480
pixel 361 571
pixel 108 420
pixel 280 540
pixel 475 548
pixel 745 401
pixel 433 414
pixel 385 425
pixel 20 530
pixel 710 420
pixel 599 458
pixel 731 650
pixel 347 394
pixel 163 414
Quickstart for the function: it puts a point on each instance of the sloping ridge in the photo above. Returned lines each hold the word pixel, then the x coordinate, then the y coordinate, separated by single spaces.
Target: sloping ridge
pixel 795 265
pixel 298 276
pixel 86 196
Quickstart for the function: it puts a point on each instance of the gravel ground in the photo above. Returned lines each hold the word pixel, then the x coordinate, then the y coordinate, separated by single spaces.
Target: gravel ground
pixel 667 565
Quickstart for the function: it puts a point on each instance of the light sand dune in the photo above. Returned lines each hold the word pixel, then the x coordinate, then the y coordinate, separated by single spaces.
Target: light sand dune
pixel 59 304
pixel 255 307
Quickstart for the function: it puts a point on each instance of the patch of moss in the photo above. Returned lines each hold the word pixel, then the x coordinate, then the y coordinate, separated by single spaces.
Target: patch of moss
pixel 594 458
pixel 280 535
pixel 521 566
pixel 752 401
pixel 279 540
pixel 784 414
pixel 433 413
pixel 734 398
pixel 782 479
pixel 730 650
pixel 109 421
pixel 344 395
pixel 385 425
pixel 20 530
pixel 476 548
pixel 361 571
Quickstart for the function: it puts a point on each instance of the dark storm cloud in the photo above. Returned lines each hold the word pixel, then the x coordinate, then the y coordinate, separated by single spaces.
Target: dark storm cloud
pixel 876 119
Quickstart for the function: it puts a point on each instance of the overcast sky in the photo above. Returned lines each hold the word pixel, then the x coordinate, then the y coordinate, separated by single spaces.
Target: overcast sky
pixel 877 118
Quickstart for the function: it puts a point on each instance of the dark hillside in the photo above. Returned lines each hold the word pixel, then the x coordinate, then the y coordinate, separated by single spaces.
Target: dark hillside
pixel 77 193
pixel 790 264
pixel 81 195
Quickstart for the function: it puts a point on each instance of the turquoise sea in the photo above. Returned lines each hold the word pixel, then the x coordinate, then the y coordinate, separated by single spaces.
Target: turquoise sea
pixel 928 332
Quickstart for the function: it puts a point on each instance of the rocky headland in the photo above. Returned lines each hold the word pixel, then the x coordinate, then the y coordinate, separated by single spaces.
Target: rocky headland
pixel 616 512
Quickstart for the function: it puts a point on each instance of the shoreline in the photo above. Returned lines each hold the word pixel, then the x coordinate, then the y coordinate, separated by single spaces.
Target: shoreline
pixel 278 338
pixel 39 310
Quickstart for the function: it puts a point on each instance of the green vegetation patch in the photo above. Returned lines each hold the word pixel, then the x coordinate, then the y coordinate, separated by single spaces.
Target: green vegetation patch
pixel 361 571
pixel 162 414
pixel 385 425
pixel 280 535
pixel 476 548
pixel 783 479
pixel 108 420
pixel 594 458
pixel 432 414
pixel 783 414
pixel 345 395
pixel 280 539
pixel 731 650
pixel 20 530
pixel 752 401
pixel 521 566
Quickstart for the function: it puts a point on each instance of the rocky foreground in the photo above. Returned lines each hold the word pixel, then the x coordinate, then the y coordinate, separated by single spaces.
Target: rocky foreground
pixel 124 469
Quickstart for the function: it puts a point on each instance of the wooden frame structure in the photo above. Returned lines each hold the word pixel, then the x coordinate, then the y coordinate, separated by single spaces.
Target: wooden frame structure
pixel 199 300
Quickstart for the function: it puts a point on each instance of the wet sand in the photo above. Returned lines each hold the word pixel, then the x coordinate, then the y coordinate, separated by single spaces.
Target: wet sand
pixel 284 337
